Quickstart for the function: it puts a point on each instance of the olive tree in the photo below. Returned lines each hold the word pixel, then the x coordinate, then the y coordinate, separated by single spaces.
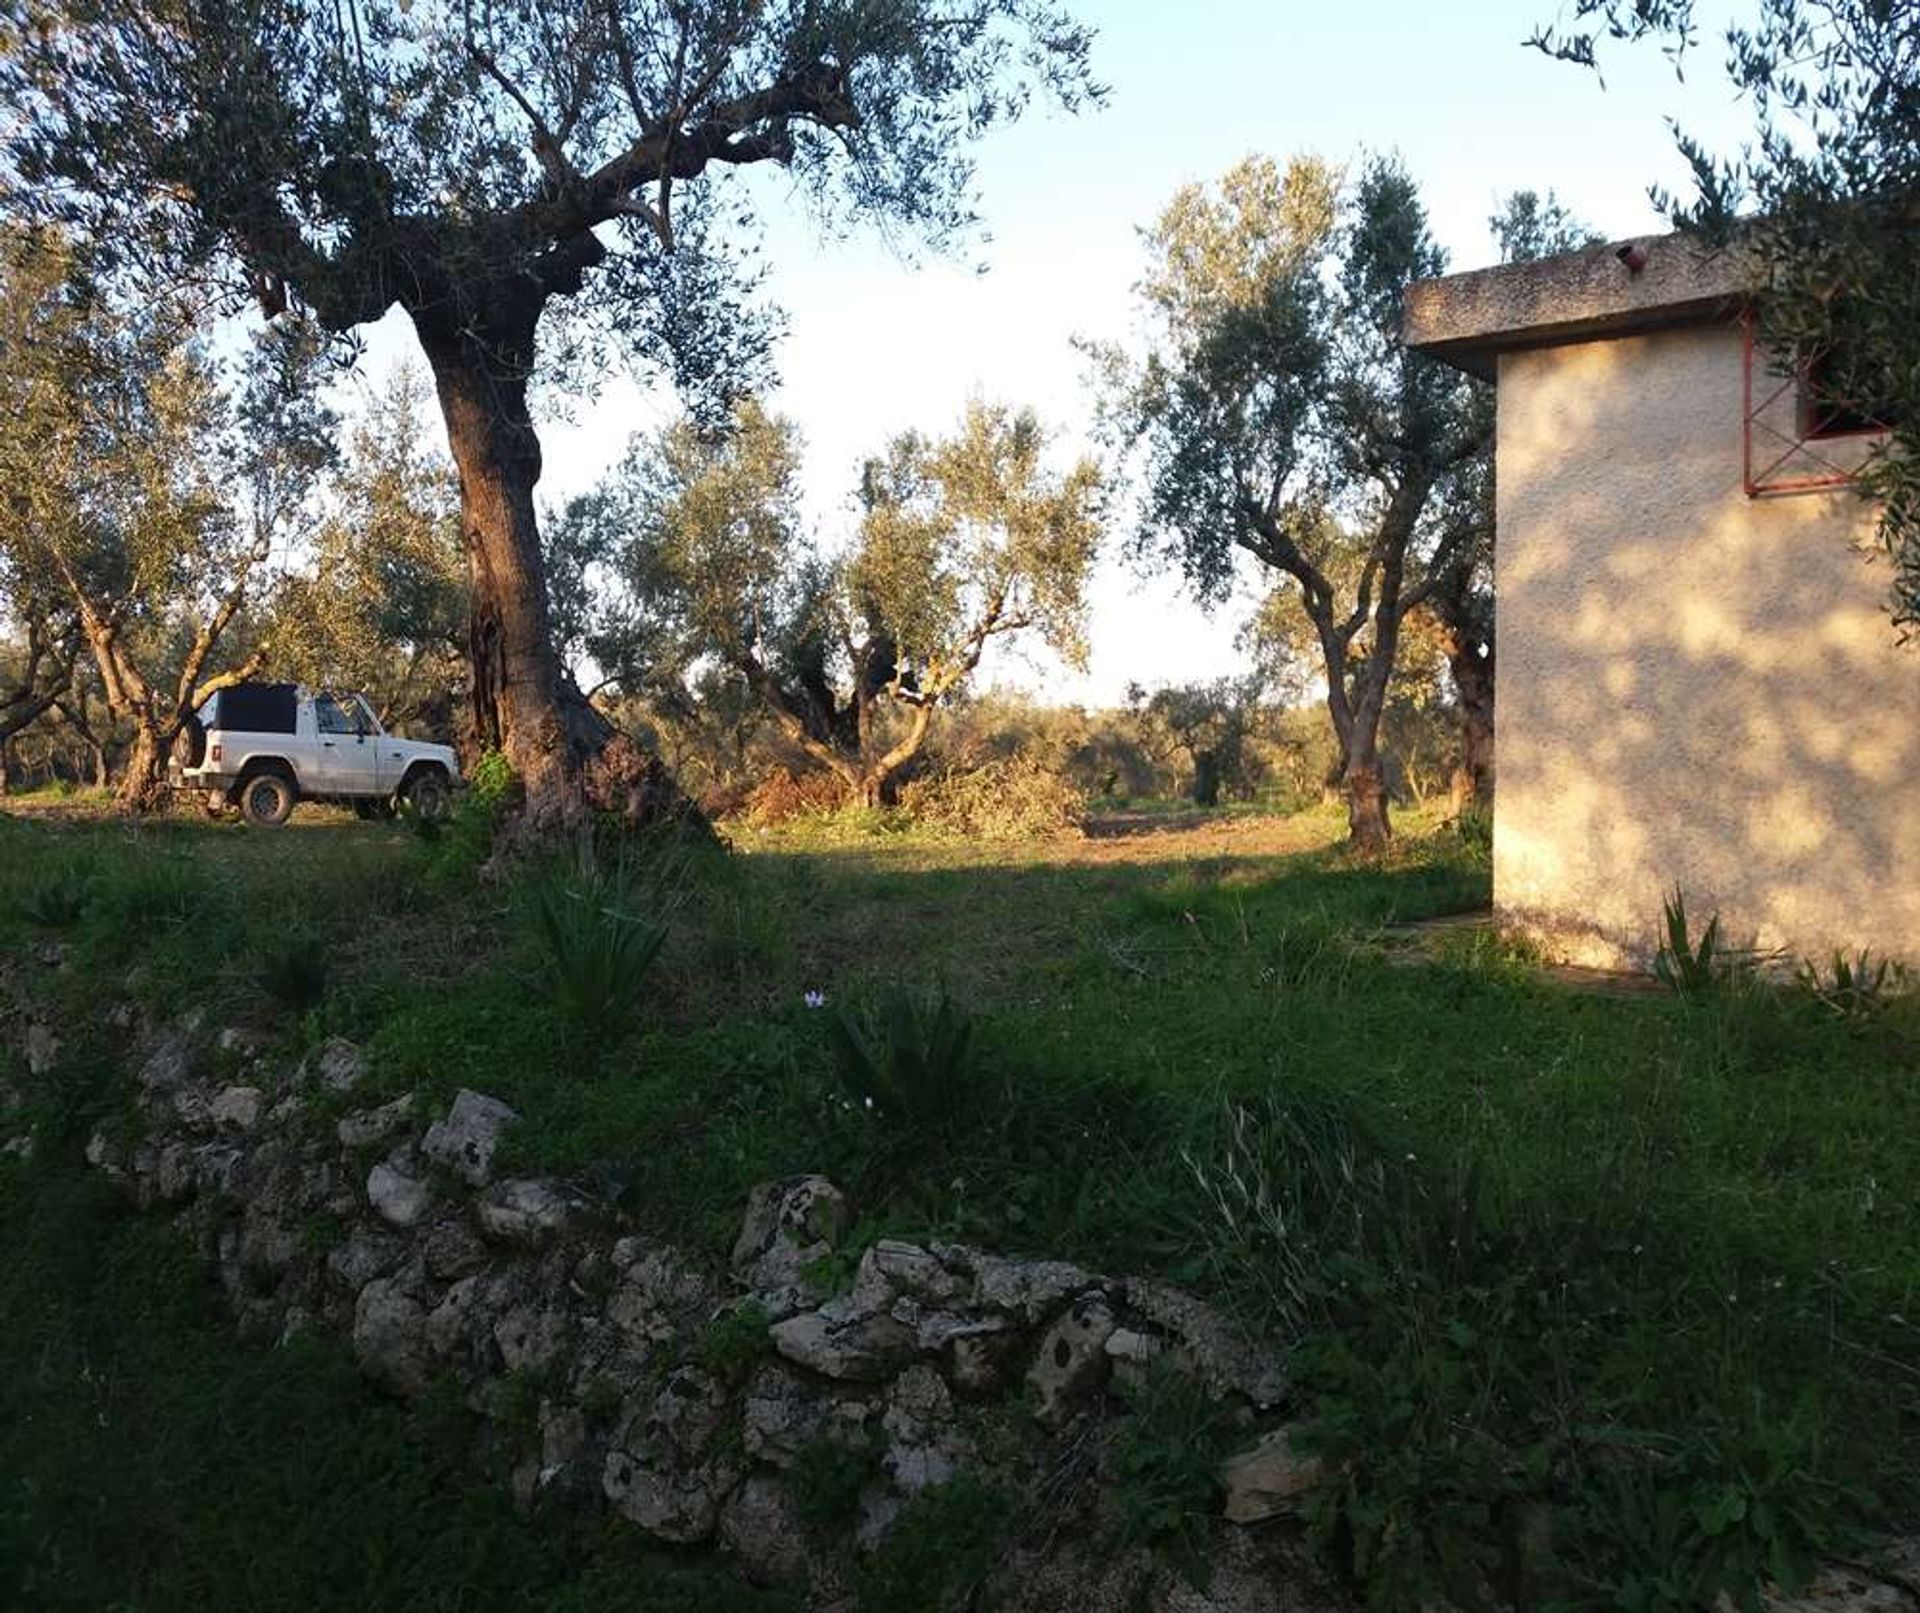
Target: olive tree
pixel 962 540
pixel 474 165
pixel 1825 202
pixel 147 490
pixel 36 671
pixel 380 603
pixel 1279 414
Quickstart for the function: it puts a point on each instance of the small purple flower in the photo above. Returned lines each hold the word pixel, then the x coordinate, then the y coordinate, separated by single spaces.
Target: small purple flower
pixel 815 999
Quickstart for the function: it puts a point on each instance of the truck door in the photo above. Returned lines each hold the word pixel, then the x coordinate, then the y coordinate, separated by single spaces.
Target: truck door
pixel 345 753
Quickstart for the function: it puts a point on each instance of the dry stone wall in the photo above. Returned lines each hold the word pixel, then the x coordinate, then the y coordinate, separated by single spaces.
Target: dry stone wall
pixel 688 1395
pixel 700 1399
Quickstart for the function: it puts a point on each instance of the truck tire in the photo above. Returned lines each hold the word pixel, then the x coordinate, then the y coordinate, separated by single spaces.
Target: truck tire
pixel 190 744
pixel 428 794
pixel 267 798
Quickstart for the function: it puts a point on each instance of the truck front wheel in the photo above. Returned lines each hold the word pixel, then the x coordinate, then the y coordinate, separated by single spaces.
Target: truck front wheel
pixel 427 794
pixel 267 799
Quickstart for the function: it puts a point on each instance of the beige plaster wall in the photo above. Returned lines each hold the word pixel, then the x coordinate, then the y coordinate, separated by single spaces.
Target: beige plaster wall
pixel 1695 688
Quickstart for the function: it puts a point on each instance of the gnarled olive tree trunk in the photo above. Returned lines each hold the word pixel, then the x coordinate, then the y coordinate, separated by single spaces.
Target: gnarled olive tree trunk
pixel 571 761
pixel 1470 660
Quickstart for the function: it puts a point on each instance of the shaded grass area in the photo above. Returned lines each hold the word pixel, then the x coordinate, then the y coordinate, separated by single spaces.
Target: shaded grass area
pixel 148 1461
pixel 1644 1265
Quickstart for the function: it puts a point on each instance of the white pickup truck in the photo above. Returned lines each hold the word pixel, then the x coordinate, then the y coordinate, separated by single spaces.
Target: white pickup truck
pixel 265 747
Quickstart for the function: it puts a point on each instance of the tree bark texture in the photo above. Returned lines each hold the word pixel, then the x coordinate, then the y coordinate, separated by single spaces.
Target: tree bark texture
pixel 1470 660
pixel 571 761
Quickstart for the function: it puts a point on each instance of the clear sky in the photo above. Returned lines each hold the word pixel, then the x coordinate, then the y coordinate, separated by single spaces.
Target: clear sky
pixel 875 345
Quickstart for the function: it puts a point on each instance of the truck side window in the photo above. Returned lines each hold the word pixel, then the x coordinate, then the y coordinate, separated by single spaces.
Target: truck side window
pixel 330 718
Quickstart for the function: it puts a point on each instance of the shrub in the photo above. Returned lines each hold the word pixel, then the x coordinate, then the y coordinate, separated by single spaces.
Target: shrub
pixel 463 840
pixel 910 1064
pixel 1687 966
pixel 293 971
pixel 1165 1463
pixel 592 942
pixel 1853 987
pixel 58 897
pixel 828 1475
pixel 1293 1188
pixel 157 891
pixel 1013 798
pixel 1475 829
pixel 940 1551
pixel 784 795
pixel 736 1341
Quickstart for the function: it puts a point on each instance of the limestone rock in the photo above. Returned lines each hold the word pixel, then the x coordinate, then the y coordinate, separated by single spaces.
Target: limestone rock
pixel 466 1138
pixel 1071 1362
pixel 762 1528
pixel 530 1336
pixel 678 1507
pixel 845 1339
pixel 788 1225
pixel 527 1210
pixel 1885 1580
pixel 397 1196
pixel 168 1064
pixel 1269 1480
pixel 389 1337
pixel 365 1255
pixel 1219 1353
pixel 238 1041
pixel 451 1248
pixel 1132 1352
pixel 666 1472
pixel 923 1446
pixel 42 1049
pixel 917 1272
pixel 192 1106
pixel 339 1066
pixel 237 1108
pixel 367 1126
pixel 1028 1289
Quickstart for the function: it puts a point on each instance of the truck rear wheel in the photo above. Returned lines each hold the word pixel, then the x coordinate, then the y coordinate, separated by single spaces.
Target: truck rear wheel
pixel 267 799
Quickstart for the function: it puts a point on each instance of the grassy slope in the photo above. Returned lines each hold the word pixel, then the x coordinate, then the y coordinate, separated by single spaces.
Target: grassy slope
pixel 1635 1247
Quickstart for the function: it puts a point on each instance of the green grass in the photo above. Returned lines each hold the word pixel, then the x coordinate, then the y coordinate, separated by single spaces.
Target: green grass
pixel 148 1461
pixel 1648 1262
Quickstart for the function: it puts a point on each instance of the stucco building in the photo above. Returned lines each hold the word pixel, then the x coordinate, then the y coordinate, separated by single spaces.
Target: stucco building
pixel 1698 682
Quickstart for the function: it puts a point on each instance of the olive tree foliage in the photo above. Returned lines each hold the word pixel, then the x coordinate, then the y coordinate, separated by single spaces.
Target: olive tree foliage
pixel 1276 411
pixel 148 490
pixel 37 654
pixel 1825 202
pixel 1212 724
pixel 380 604
pixel 962 540
pixel 473 164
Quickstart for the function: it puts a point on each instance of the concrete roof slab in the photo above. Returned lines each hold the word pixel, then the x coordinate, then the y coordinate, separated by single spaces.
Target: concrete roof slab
pixel 1468 319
